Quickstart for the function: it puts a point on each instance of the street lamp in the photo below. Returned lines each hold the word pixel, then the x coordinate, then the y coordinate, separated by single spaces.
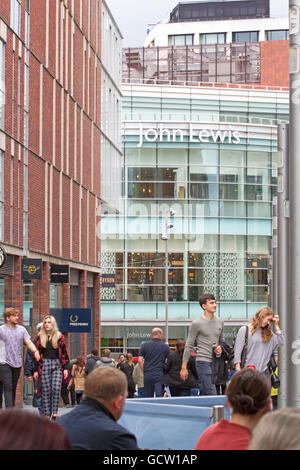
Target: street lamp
pixel 165 236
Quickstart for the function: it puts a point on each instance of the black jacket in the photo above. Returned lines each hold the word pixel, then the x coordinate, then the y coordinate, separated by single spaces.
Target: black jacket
pixel 128 370
pixel 91 364
pixel 220 365
pixel 90 426
pixel 173 367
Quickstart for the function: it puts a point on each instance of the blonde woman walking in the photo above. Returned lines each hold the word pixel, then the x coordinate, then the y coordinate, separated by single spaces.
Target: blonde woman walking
pixel 52 366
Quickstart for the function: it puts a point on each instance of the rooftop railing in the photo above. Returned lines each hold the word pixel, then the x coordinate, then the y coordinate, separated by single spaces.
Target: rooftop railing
pixel 235 63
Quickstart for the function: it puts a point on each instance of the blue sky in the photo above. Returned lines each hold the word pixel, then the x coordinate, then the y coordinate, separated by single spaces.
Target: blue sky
pixel 134 16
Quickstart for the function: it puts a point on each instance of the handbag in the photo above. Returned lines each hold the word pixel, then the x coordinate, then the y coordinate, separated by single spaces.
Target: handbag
pixel 36 400
pixel 275 381
pixel 245 349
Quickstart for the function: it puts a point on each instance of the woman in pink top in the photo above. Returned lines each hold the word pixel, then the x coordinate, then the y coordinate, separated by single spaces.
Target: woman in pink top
pixel 248 394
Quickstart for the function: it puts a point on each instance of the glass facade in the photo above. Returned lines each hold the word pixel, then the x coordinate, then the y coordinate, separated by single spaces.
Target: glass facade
pixel 221 191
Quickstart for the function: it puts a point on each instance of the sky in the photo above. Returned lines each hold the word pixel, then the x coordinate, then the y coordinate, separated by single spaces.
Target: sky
pixel 134 17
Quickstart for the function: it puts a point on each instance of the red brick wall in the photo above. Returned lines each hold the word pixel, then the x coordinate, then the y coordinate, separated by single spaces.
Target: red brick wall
pixel 44 147
pixel 275 63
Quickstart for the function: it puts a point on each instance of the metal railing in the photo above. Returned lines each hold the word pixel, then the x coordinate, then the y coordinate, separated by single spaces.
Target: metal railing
pixel 207 63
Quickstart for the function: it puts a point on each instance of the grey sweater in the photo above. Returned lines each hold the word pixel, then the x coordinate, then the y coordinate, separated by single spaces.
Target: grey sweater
pixel 203 334
pixel 258 353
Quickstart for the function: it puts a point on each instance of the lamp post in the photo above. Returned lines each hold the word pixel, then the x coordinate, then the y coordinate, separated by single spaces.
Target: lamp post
pixel 165 237
pixel 293 261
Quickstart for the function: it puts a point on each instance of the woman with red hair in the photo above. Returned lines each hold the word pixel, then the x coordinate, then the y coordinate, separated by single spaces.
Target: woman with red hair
pixel 261 340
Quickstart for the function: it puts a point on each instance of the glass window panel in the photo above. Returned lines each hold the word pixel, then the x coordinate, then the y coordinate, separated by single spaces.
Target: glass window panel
pixel 258 244
pixel 257 277
pixel 140 157
pixel 257 261
pixel 203 174
pixel 232 209
pixel 232 243
pixel 172 156
pixel 277 35
pixel 196 291
pixel 257 193
pixel 204 191
pixel 207 208
pixel 245 36
pixel 258 159
pixel 171 174
pixel 203 243
pixel 212 38
pixel 259 209
pixel 141 174
pixel 141 190
pixel 257 294
pixel 140 244
pixel 203 157
pixel 236 158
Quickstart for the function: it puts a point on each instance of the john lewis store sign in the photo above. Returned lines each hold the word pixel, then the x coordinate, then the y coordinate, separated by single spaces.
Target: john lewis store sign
pixel 194 135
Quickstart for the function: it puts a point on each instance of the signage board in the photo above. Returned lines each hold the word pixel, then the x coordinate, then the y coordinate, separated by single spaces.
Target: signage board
pixel 2 256
pixel 108 280
pixel 73 320
pixel 32 269
pixel 59 273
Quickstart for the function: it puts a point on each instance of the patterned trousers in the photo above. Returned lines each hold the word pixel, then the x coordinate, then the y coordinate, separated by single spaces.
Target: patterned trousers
pixel 51 381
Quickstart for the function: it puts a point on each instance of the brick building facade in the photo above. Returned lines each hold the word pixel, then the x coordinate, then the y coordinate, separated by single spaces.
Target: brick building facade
pixel 50 156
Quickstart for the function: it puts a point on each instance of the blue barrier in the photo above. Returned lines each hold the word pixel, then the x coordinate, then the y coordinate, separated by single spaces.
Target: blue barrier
pixel 170 423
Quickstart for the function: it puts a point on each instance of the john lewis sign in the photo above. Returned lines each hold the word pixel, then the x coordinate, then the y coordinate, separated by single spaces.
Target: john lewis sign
pixel 195 135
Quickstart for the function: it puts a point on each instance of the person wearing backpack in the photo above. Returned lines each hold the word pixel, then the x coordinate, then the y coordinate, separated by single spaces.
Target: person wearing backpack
pixel 91 361
pixel 105 360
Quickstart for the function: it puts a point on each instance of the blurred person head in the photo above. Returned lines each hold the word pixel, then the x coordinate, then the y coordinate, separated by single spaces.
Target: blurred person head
pixel 22 430
pixel 49 329
pixel 80 362
pixel 129 358
pixel 108 387
pixel 121 358
pixel 248 394
pixel 157 333
pixel 94 352
pixel 279 430
pixel 263 319
pixel 180 345
pixel 106 352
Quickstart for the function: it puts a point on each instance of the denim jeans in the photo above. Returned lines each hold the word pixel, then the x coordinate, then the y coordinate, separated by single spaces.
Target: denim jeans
pixel 205 377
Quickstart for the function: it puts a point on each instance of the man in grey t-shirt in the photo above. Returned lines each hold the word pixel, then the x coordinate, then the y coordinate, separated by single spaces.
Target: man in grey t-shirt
pixel 12 337
pixel 204 332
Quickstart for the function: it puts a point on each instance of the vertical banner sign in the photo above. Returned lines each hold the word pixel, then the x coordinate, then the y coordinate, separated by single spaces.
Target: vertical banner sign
pixel 32 269
pixel 59 273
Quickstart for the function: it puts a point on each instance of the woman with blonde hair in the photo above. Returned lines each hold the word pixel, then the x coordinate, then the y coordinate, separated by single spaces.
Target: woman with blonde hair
pixel 78 378
pixel 261 340
pixel 52 366
pixel 279 430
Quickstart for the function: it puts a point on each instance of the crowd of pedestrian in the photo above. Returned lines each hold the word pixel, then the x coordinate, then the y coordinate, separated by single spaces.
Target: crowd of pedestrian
pixel 98 385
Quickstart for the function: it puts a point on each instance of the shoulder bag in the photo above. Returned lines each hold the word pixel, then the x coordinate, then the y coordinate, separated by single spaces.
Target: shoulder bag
pixel 245 348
